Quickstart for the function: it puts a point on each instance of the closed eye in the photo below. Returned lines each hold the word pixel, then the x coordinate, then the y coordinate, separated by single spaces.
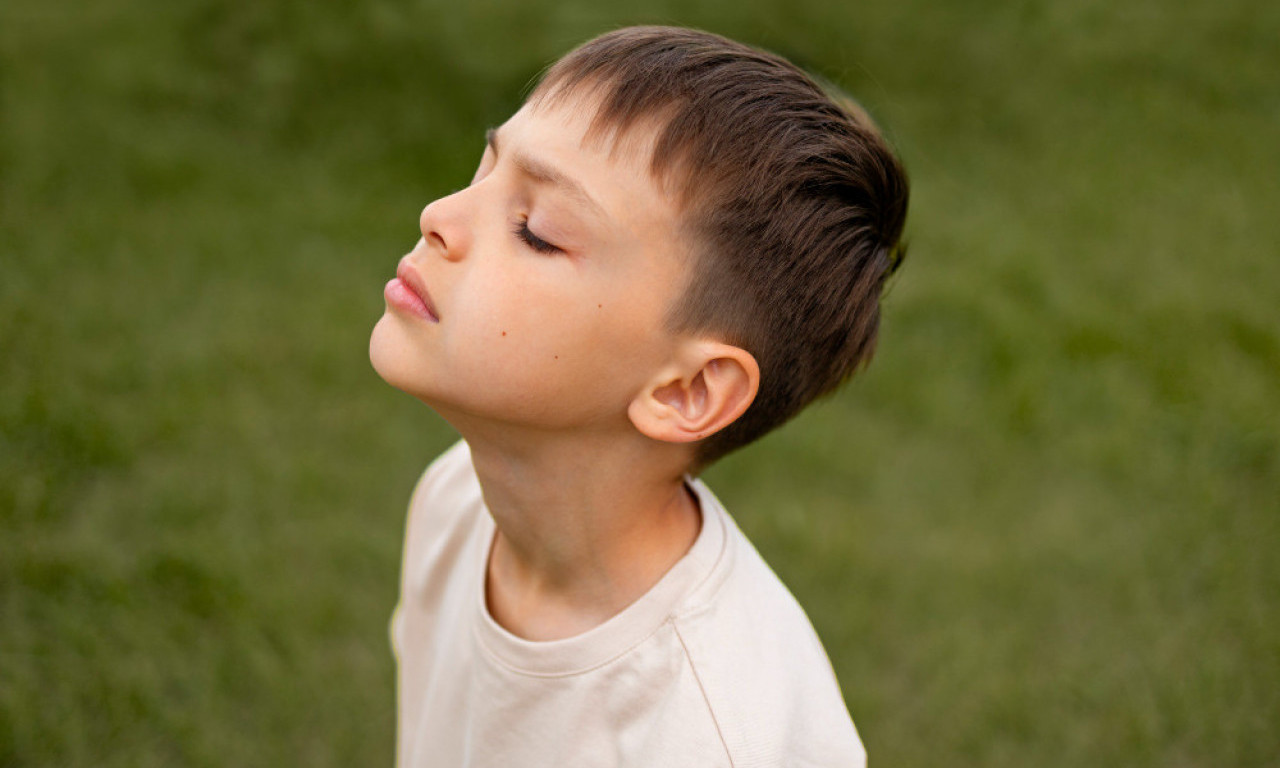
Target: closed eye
pixel 533 241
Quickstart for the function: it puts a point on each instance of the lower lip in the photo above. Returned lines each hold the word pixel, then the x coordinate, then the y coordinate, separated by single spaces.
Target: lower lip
pixel 399 295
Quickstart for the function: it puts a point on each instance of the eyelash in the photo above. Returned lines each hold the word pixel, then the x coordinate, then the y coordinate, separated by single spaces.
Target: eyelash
pixel 533 241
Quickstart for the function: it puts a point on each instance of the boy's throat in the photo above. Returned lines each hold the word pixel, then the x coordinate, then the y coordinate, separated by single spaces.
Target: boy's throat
pixel 555 599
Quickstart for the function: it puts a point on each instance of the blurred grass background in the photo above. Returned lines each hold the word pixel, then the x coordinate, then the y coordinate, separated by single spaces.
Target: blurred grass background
pixel 1042 529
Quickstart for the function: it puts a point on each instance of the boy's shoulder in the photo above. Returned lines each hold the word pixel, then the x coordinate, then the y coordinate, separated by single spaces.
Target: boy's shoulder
pixel 450 469
pixel 446 488
pixel 764 673
pixel 441 518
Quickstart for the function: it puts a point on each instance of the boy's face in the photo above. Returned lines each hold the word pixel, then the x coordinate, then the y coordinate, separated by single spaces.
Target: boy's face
pixel 547 281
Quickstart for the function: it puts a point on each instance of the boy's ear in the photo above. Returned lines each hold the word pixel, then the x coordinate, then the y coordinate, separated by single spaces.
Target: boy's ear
pixel 706 389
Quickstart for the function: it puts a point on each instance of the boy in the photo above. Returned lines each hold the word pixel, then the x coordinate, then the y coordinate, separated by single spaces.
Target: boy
pixel 673 246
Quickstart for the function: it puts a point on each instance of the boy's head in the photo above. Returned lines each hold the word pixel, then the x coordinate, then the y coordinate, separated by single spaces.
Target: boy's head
pixel 792 204
pixel 667 204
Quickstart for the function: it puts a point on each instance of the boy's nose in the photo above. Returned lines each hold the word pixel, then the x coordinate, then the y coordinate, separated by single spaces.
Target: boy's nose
pixel 444 228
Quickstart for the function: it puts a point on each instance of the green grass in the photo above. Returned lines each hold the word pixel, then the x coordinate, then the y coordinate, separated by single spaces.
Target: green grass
pixel 1040 530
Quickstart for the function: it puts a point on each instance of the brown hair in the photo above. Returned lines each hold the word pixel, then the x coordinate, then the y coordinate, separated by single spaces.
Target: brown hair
pixel 793 204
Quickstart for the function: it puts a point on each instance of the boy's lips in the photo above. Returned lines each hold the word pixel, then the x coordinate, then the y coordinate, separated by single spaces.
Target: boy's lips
pixel 408 292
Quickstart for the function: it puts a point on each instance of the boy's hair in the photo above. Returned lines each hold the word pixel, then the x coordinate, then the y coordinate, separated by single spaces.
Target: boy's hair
pixel 793 204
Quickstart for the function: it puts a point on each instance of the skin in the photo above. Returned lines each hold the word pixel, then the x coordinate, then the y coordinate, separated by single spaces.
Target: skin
pixel 543 341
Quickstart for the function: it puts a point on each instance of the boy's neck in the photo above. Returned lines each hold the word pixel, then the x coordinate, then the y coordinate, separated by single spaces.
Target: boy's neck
pixel 585 528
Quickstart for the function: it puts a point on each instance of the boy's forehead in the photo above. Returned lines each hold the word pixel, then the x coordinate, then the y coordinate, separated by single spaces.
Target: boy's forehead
pixel 561 137
pixel 632 144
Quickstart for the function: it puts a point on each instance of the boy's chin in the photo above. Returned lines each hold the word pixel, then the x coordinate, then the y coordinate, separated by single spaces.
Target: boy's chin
pixel 389 358
pixel 397 364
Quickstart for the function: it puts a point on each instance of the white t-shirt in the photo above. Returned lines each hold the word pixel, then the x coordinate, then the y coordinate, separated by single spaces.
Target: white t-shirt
pixel 716 665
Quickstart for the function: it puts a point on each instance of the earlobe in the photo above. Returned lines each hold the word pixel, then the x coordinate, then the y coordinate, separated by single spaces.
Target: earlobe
pixel 706 390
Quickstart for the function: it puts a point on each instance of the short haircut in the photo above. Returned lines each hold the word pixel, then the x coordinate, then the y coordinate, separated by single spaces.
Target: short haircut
pixel 792 203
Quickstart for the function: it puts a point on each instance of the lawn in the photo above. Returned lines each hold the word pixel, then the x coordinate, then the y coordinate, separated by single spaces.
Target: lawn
pixel 1040 530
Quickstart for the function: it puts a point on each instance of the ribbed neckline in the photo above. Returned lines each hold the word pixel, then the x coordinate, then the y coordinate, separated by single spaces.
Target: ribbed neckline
pixel 638 621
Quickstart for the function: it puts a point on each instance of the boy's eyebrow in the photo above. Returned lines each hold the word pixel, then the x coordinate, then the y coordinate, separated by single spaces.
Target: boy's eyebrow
pixel 547 175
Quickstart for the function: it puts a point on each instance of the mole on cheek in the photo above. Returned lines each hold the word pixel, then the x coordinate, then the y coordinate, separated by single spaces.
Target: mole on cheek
pixel 504 333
